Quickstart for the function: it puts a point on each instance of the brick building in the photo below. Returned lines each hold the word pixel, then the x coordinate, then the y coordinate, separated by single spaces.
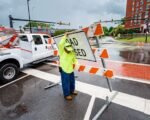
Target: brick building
pixel 137 9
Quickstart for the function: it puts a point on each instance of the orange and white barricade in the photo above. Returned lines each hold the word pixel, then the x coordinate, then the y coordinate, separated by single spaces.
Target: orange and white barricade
pixel 102 71
pixel 90 69
pixel 94 30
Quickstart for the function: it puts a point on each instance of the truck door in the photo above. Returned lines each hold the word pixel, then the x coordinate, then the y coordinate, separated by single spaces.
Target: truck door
pixel 39 48
pixel 26 48
pixel 49 46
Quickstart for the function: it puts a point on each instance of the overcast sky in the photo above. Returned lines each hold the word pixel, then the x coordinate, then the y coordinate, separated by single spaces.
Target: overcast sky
pixel 77 12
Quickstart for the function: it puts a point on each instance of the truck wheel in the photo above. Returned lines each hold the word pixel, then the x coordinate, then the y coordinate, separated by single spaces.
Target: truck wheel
pixel 8 72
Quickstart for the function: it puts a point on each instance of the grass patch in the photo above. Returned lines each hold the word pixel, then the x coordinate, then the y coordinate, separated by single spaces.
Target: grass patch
pixel 137 39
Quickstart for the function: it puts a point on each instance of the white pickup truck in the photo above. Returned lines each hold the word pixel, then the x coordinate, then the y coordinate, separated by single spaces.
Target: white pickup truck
pixel 31 48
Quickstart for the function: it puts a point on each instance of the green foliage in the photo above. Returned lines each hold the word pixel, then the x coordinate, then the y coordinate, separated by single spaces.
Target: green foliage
pixel 111 29
pixel 106 31
pixel 123 21
pixel 59 32
pixel 120 29
pixel 37 24
pixel 136 39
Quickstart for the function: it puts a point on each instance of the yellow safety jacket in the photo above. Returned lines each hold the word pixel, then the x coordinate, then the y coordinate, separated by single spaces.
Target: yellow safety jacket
pixel 66 59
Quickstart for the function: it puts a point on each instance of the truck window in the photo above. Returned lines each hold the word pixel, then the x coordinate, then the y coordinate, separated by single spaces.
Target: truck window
pixel 37 39
pixel 23 38
pixel 46 38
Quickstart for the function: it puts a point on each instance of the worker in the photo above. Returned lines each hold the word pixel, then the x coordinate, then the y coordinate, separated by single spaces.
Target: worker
pixel 67 60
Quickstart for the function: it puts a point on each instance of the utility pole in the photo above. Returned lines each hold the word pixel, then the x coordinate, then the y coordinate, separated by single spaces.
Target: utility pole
pixel 11 21
pixel 29 15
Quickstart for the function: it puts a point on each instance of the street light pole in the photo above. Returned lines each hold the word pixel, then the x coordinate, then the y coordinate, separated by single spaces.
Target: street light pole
pixel 147 29
pixel 29 16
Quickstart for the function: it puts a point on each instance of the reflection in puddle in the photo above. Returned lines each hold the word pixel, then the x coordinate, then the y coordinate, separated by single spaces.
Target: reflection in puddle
pixel 17 111
pixel 11 106
pixel 138 55
pixel 10 95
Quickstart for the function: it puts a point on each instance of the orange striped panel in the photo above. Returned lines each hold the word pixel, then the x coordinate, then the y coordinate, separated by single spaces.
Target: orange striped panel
pixel 81 68
pixel 93 70
pixel 99 30
pixel 49 41
pixel 108 73
pixel 12 39
pixel 86 30
pixel 104 54
pixel 55 52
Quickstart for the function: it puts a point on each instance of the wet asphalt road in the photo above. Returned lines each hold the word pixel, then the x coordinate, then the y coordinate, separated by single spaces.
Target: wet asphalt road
pixel 127 52
pixel 26 99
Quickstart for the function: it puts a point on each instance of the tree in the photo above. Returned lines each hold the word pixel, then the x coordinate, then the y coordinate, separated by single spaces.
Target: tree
pixel 120 29
pixel 38 24
pixel 59 32
pixel 62 31
pixel 106 31
pixel 111 29
pixel 122 21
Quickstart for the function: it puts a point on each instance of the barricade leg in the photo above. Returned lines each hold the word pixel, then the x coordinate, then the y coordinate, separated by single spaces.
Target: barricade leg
pixel 106 105
pixel 55 84
pixel 51 85
pixel 108 81
pixel 109 84
pixel 108 99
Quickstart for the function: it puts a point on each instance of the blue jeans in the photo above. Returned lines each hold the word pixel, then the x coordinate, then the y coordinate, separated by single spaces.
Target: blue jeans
pixel 68 82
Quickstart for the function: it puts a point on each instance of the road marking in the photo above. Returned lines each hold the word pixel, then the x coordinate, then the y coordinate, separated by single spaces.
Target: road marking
pixel 147 107
pixel 126 100
pixel 13 81
pixel 130 101
pixel 89 109
pixel 120 77
pixel 133 79
pixel 42 75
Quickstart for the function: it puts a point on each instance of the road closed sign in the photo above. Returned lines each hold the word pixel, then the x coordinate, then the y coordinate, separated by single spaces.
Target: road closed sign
pixel 80 44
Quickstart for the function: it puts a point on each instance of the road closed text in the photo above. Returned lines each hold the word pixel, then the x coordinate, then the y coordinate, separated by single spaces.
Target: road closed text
pixel 74 43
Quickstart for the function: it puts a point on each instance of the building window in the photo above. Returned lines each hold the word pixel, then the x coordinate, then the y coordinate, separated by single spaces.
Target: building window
pixel 141 8
pixel 137 4
pixel 148 0
pixel 141 2
pixel 148 7
pixel 146 14
pixel 137 11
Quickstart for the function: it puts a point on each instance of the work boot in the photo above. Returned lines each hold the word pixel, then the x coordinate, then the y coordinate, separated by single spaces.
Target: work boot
pixel 68 97
pixel 74 93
